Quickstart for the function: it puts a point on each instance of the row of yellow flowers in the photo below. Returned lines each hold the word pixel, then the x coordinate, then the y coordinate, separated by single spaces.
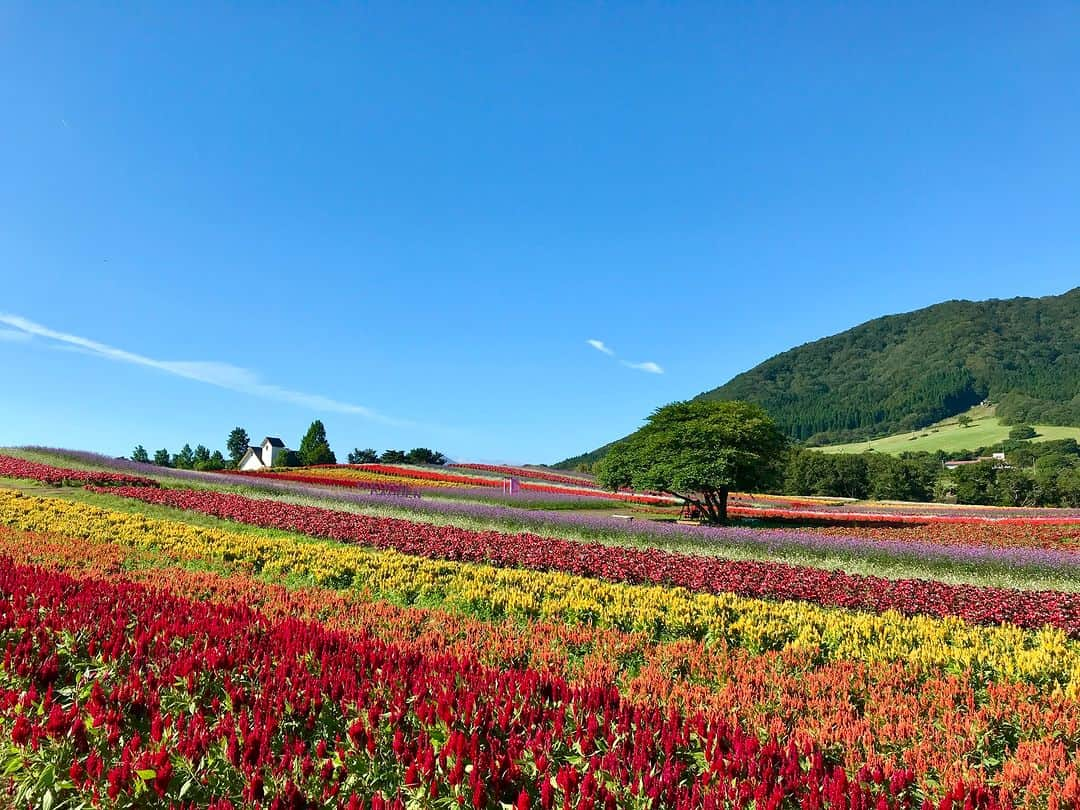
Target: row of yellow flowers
pixel 1045 658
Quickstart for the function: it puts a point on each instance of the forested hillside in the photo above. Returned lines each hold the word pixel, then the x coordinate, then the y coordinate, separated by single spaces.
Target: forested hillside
pixel 902 372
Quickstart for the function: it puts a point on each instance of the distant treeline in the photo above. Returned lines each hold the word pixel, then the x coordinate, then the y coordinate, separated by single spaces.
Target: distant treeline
pixel 1032 474
pixel 418 455
pixel 187 459
pixel 314 449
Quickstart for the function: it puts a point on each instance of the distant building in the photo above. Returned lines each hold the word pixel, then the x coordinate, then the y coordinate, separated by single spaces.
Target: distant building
pixel 270 453
pixel 999 458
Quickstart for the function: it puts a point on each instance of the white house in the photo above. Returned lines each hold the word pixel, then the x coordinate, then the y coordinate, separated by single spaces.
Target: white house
pixel 268 454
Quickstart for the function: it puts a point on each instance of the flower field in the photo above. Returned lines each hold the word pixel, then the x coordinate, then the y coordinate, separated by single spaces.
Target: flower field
pixel 182 647
pixel 352 475
pixel 531 473
pixel 704 574
pixel 59 476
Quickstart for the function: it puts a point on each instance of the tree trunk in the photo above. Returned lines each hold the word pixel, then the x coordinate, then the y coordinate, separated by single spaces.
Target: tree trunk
pixel 716 505
pixel 712 503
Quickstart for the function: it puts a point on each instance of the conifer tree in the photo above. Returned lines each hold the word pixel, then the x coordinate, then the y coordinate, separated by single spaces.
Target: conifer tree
pixel 314 448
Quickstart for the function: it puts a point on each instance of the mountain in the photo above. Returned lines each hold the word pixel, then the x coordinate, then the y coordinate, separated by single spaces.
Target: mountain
pixel 902 372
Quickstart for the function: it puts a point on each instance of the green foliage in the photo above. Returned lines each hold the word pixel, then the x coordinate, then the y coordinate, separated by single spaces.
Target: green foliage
pixel 843 475
pixel 911 477
pixel 393 457
pixel 185 459
pixel 1020 406
pixel 975 483
pixel 358 456
pixel 586 462
pixel 698 451
pixel 422 455
pixel 291 458
pixel 314 448
pixel 163 458
pixel 237 444
pixel 205 460
pixel 140 454
pixel 1021 432
pixel 964 420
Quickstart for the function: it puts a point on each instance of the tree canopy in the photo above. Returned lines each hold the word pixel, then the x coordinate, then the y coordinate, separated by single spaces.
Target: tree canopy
pixel 185 459
pixel 699 451
pixel 424 455
pixel 367 456
pixel 314 448
pixel 237 444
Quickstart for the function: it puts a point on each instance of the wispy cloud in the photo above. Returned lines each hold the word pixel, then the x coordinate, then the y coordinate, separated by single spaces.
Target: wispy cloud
pixel 14 336
pixel 222 375
pixel 648 366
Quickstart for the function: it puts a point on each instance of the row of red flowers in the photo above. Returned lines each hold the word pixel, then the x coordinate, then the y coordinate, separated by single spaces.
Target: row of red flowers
pixel 136 693
pixel 12 467
pixel 984 605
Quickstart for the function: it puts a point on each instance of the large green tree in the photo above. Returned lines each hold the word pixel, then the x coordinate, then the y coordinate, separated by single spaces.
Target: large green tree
pixel 368 456
pixel 314 448
pixel 140 454
pixel 237 444
pixel 699 451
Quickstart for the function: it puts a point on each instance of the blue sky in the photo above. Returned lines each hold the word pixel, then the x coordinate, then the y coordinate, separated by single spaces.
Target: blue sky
pixel 409 220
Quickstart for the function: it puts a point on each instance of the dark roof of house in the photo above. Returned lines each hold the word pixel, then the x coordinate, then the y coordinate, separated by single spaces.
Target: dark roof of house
pixel 274 441
pixel 257 452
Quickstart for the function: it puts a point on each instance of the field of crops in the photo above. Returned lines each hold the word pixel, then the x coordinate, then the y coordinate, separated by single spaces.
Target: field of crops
pixel 286 640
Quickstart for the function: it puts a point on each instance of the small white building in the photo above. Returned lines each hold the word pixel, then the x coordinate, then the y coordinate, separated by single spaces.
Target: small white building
pixel 268 454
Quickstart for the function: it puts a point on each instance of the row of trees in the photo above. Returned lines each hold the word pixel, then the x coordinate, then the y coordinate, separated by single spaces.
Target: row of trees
pixel 187 459
pixel 909 477
pixel 418 455
pixel 314 449
pixel 1034 474
pixel 1031 474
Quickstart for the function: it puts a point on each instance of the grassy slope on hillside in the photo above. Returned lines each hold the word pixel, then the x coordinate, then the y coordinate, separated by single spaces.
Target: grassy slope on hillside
pixel 985 430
